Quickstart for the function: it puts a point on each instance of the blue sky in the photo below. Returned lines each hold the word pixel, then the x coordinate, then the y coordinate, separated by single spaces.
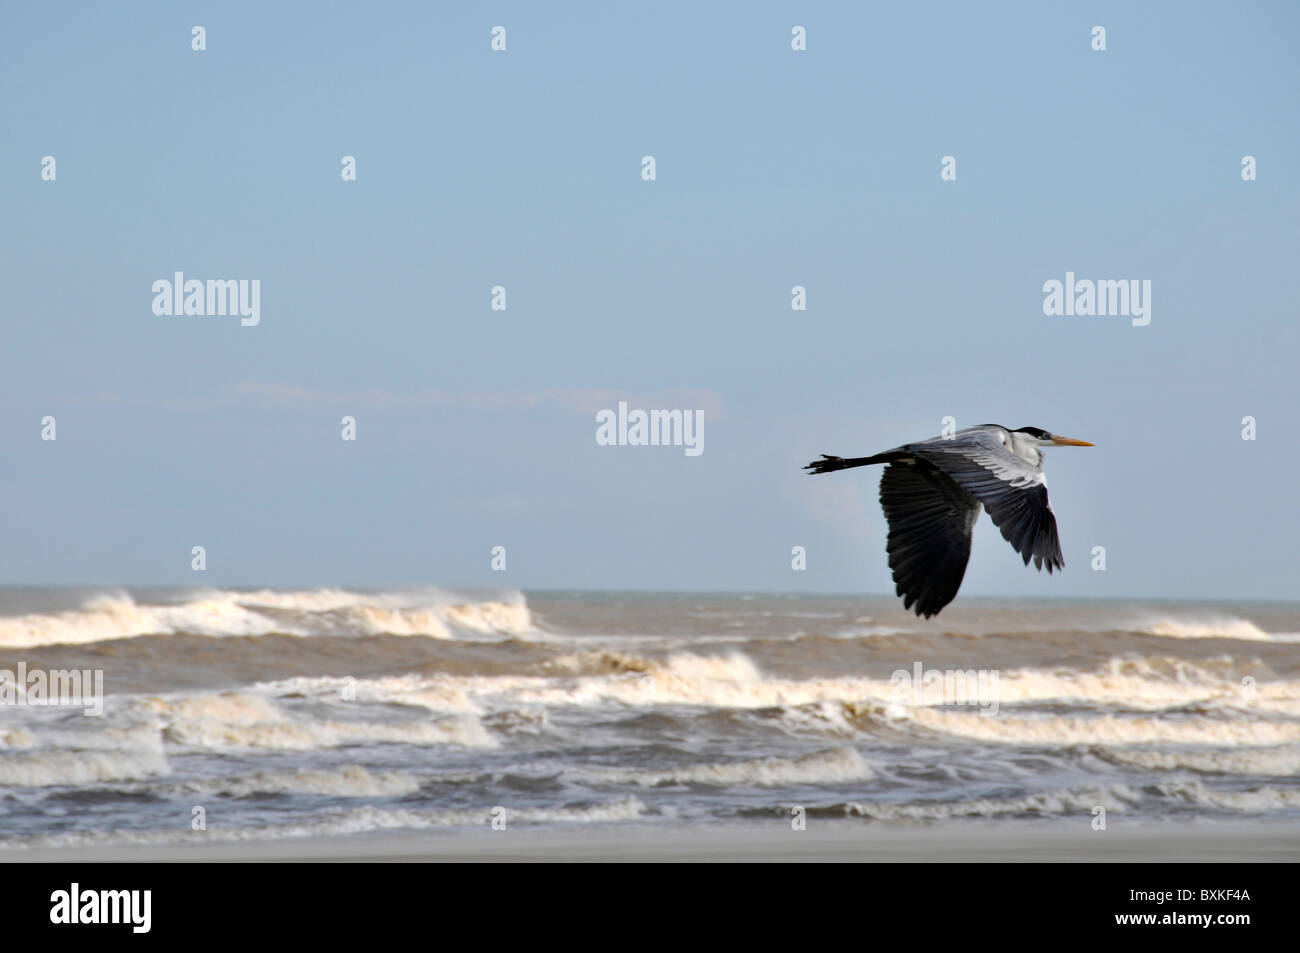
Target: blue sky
pixel 476 427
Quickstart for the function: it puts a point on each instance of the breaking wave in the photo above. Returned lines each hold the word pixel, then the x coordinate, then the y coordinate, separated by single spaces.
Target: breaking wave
pixel 430 613
pixel 47 767
pixel 351 780
pixel 1212 628
pixel 734 681
pixel 1106 729
pixel 359 820
pixel 1115 798
pixel 1275 761
pixel 250 720
pixel 837 764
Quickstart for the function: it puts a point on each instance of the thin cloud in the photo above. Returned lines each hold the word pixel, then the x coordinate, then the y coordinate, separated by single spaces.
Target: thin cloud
pixel 585 401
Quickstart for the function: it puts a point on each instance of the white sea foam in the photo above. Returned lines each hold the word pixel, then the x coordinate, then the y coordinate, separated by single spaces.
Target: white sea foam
pixel 1275 761
pixel 359 820
pixel 1127 701
pixel 352 780
pixel 728 681
pixel 1147 683
pixel 41 756
pixel 1256 800
pixel 229 613
pixel 1214 627
pixel 439 693
pixel 252 720
pixel 1115 798
pixel 48 767
pixel 1130 701
pixel 1200 626
pixel 734 681
pixel 870 631
pixel 837 764
pixel 93 735
pixel 1051 730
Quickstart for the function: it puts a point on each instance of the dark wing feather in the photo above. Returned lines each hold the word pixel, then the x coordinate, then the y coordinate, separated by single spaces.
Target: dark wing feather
pixel 1016 498
pixel 1027 523
pixel 930 520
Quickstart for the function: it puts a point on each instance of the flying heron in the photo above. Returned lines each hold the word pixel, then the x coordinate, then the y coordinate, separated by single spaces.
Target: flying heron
pixel 932 492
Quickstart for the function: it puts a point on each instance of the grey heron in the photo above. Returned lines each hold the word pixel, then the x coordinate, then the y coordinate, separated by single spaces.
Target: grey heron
pixel 932 492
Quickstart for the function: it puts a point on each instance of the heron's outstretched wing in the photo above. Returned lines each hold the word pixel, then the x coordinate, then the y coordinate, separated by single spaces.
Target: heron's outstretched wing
pixel 1012 489
pixel 930 520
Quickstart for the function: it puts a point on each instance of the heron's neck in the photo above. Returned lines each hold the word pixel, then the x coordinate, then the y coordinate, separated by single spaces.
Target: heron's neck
pixel 1025 447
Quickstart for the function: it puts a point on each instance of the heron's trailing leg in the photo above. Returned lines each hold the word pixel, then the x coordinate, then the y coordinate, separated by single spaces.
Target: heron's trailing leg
pixel 829 464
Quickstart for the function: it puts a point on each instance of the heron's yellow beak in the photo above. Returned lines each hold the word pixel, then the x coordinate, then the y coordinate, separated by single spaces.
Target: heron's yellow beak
pixel 1071 442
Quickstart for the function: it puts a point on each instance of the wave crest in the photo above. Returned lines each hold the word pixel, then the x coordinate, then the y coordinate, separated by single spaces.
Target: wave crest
pixel 430 613
pixel 836 764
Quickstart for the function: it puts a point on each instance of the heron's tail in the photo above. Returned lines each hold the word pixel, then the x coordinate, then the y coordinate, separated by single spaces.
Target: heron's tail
pixel 829 464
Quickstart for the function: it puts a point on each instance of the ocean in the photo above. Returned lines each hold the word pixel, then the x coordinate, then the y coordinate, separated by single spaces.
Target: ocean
pixel 242 715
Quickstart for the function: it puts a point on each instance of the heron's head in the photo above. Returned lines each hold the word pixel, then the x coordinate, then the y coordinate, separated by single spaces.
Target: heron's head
pixel 1044 439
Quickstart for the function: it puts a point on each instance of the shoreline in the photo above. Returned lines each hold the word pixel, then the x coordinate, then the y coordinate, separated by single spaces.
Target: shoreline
pixel 1271 842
